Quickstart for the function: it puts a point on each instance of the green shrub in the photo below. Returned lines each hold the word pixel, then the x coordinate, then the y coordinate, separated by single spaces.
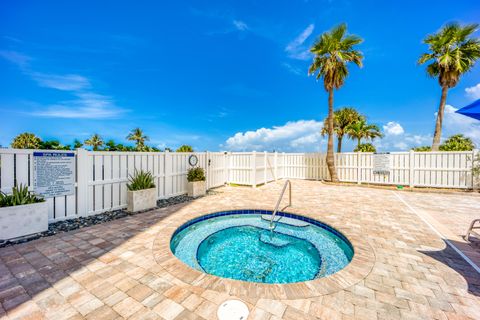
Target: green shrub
pixel 365 147
pixel 422 149
pixel 185 148
pixel 457 142
pixel 141 180
pixel 19 196
pixel 196 174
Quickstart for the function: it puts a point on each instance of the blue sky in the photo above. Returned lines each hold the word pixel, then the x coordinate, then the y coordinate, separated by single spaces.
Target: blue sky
pixel 219 74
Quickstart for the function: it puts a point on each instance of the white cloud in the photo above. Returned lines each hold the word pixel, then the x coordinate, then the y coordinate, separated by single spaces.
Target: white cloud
pixel 454 123
pixel 68 82
pixel 296 48
pixel 417 140
pixel 402 142
pixel 474 91
pixel 393 128
pixel 240 25
pixel 87 106
pixel 14 57
pixel 401 145
pixel 293 69
pixel 302 135
pixel 396 139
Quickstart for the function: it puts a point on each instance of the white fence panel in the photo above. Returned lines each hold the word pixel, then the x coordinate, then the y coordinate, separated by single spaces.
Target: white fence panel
pixel 347 164
pixel 399 173
pixel 102 177
pixel 240 168
pixel 311 166
pixel 443 169
pixel 270 165
pixel 16 167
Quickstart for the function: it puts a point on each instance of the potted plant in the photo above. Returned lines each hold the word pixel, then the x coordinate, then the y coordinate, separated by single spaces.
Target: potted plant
pixel 196 182
pixel 141 194
pixel 22 213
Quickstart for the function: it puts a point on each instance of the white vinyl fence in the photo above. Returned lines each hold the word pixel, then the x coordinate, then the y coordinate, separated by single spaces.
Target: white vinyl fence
pixel 101 177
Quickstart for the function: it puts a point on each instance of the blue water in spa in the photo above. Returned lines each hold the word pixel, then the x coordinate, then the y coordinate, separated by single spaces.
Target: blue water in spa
pixel 242 247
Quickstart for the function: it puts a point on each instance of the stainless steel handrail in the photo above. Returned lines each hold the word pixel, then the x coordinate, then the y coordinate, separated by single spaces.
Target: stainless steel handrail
pixel 280 200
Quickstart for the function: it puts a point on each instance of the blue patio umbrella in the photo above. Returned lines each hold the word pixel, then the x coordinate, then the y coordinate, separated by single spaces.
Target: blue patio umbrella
pixel 472 110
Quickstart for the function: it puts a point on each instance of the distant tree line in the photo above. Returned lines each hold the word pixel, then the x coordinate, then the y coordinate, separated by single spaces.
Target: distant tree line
pixel 457 142
pixel 29 140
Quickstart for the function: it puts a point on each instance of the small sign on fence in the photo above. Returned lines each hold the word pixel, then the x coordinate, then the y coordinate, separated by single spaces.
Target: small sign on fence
pixel 54 173
pixel 381 163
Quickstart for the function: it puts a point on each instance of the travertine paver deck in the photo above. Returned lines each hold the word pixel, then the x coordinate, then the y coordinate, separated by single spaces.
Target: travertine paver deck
pixel 452 213
pixel 114 270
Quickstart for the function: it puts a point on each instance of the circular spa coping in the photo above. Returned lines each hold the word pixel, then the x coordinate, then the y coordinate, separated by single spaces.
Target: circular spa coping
pixel 245 245
pixel 358 268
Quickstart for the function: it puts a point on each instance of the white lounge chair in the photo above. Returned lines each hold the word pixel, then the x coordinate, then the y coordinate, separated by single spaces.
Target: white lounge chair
pixel 472 228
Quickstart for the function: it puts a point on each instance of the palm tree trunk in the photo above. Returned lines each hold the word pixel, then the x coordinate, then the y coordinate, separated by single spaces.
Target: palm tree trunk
pixel 438 125
pixel 359 142
pixel 339 143
pixel 330 156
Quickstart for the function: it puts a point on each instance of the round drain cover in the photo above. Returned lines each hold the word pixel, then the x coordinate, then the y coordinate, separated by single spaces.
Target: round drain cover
pixel 232 310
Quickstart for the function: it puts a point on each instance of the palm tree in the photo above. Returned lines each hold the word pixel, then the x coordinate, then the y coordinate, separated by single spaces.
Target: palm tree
pixel 452 52
pixel 26 140
pixel 185 148
pixel 361 130
pixel 77 144
pixel 342 118
pixel 95 141
pixel 139 137
pixel 333 51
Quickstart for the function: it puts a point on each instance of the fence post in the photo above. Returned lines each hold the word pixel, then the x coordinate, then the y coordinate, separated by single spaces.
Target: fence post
pixel 474 178
pixel 284 166
pixel 226 165
pixel 167 171
pixel 264 167
pixel 207 169
pixel 275 170
pixel 253 174
pixel 411 168
pixel 359 169
pixel 82 182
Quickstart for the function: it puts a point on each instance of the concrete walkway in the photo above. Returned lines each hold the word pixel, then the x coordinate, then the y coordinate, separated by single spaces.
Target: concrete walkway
pixel 115 270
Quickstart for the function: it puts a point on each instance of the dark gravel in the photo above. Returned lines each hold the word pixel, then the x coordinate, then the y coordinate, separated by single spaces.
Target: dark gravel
pixel 82 222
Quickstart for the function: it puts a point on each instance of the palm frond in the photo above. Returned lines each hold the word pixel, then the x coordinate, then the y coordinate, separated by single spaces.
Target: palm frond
pixel 452 51
pixel 333 50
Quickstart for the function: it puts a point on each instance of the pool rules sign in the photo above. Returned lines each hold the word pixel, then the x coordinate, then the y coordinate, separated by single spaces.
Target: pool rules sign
pixel 54 174
pixel 381 163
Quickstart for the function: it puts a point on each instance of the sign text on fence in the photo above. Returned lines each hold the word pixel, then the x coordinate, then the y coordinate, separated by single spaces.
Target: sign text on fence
pixel 54 173
pixel 381 163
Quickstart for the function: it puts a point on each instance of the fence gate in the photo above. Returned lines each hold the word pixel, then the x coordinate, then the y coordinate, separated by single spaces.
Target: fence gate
pixel 215 169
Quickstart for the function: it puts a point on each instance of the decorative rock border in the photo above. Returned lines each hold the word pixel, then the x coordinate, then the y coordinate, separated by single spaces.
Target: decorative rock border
pixel 82 222
pixel 360 266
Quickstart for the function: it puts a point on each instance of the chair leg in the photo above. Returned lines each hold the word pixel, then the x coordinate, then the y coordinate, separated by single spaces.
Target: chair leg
pixel 472 226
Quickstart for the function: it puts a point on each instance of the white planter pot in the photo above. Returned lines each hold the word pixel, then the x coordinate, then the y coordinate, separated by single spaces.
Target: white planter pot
pixel 141 200
pixel 19 221
pixel 196 189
